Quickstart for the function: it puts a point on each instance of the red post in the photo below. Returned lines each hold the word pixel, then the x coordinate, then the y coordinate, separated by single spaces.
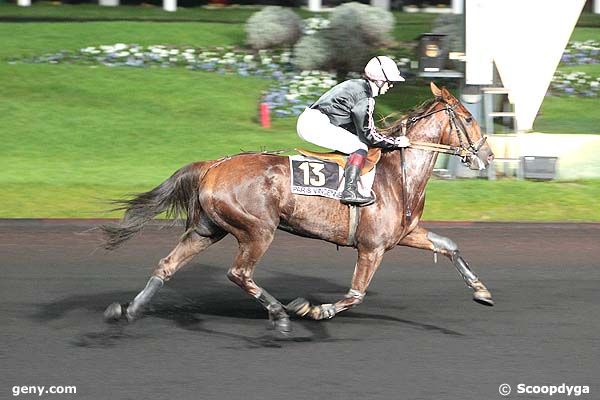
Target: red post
pixel 265 115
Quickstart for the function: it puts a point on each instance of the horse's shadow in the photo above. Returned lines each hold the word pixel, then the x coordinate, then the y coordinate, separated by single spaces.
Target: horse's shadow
pixel 196 299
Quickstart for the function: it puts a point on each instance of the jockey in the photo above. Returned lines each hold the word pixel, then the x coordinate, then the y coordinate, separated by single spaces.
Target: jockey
pixel 342 120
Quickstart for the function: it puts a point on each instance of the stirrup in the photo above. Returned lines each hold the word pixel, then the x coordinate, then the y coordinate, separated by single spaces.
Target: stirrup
pixel 358 200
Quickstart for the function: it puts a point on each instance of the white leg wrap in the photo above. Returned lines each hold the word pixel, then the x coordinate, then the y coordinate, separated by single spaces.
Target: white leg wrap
pixel 355 294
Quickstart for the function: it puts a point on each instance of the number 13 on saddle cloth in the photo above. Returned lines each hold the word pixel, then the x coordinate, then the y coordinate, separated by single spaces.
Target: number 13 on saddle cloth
pixel 322 174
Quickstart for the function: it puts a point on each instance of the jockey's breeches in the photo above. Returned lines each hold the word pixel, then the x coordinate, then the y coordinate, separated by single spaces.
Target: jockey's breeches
pixel 315 127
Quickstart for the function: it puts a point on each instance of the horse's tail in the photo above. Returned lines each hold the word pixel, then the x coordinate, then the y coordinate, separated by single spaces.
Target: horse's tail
pixel 178 196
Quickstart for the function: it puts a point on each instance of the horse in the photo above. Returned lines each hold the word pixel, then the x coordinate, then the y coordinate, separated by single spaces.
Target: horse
pixel 248 196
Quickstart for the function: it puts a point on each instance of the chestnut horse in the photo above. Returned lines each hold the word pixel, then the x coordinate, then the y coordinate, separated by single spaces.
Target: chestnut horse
pixel 248 196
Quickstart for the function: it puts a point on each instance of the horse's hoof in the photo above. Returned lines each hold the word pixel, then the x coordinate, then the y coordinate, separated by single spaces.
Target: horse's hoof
pixel 113 312
pixel 132 314
pixel 484 298
pixel 283 325
pixel 299 306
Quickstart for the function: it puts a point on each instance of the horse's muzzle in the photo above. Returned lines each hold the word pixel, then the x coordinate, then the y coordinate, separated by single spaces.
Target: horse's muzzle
pixel 482 159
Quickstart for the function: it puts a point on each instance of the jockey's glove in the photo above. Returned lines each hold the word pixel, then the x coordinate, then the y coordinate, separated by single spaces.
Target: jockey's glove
pixel 401 141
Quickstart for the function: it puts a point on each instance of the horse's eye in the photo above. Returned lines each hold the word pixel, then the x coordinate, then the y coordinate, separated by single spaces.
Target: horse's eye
pixel 469 119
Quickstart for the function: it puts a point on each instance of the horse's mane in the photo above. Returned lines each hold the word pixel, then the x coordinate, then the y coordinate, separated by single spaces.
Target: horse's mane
pixel 395 129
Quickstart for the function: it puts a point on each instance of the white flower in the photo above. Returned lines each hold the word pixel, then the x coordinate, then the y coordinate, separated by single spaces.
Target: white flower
pixel 120 46
pixel 174 52
pixel 595 84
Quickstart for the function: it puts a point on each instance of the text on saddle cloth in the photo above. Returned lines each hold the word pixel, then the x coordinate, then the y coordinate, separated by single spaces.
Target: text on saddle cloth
pixel 314 177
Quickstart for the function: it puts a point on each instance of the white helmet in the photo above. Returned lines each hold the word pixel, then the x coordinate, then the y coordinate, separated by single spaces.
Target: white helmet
pixel 382 68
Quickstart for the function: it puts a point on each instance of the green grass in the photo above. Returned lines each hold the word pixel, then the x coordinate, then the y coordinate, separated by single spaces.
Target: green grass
pixel 568 115
pixel 510 200
pixel 410 26
pixel 89 12
pixel 590 69
pixel 581 34
pixel 98 125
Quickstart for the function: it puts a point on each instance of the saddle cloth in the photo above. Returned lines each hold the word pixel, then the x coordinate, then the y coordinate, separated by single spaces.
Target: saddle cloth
pixel 311 176
pixel 373 157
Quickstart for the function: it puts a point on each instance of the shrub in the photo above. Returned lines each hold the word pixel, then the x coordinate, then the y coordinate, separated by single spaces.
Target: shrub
pixel 355 32
pixel 312 53
pixel 273 26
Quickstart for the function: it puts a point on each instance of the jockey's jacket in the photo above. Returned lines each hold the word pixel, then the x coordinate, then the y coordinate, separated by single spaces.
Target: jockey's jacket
pixel 350 105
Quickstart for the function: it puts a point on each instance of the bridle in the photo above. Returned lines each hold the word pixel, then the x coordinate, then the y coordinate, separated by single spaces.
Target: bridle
pixel 466 151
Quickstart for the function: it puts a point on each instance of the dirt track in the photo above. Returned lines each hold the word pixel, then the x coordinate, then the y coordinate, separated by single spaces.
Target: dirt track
pixel 417 336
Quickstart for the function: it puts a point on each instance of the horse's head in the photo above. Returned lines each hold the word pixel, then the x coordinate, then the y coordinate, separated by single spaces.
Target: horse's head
pixel 463 131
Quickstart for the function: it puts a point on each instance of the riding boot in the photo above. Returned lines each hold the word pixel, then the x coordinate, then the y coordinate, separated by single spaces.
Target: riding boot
pixel 350 195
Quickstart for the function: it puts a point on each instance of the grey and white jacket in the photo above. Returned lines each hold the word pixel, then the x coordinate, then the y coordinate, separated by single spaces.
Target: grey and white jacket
pixel 350 105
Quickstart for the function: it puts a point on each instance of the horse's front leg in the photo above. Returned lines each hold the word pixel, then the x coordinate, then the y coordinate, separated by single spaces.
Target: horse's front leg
pixel 366 265
pixel 421 238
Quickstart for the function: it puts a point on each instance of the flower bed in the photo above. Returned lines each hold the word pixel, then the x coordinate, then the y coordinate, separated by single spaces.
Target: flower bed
pixel 574 84
pixel 581 53
pixel 577 83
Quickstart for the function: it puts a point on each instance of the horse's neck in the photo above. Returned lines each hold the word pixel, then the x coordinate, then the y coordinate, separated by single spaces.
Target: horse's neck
pixel 419 167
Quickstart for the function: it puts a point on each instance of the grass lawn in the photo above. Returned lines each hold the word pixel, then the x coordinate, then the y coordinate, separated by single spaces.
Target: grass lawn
pixel 581 34
pixel 568 115
pixel 73 136
pixel 89 12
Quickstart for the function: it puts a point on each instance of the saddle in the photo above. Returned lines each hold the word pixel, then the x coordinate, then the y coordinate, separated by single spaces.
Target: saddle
pixel 340 158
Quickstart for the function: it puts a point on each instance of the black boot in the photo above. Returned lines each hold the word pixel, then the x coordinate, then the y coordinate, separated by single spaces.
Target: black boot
pixel 350 195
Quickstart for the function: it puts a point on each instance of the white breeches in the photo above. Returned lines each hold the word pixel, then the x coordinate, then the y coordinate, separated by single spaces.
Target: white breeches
pixel 315 127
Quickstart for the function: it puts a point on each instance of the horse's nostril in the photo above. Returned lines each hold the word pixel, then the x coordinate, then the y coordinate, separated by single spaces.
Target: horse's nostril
pixel 491 157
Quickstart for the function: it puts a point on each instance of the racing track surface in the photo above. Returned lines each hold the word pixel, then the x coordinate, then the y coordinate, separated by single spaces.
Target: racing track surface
pixel 418 335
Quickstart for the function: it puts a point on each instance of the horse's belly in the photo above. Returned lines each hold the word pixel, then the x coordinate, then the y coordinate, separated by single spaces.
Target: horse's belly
pixel 316 217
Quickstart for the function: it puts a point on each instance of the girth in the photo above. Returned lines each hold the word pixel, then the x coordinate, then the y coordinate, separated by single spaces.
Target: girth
pixel 373 158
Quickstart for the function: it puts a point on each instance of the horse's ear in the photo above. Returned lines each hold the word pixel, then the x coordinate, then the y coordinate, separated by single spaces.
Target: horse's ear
pixel 447 96
pixel 435 90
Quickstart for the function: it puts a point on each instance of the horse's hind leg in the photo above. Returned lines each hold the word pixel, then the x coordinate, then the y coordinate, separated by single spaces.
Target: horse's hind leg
pixel 250 251
pixel 189 245
pixel 423 239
